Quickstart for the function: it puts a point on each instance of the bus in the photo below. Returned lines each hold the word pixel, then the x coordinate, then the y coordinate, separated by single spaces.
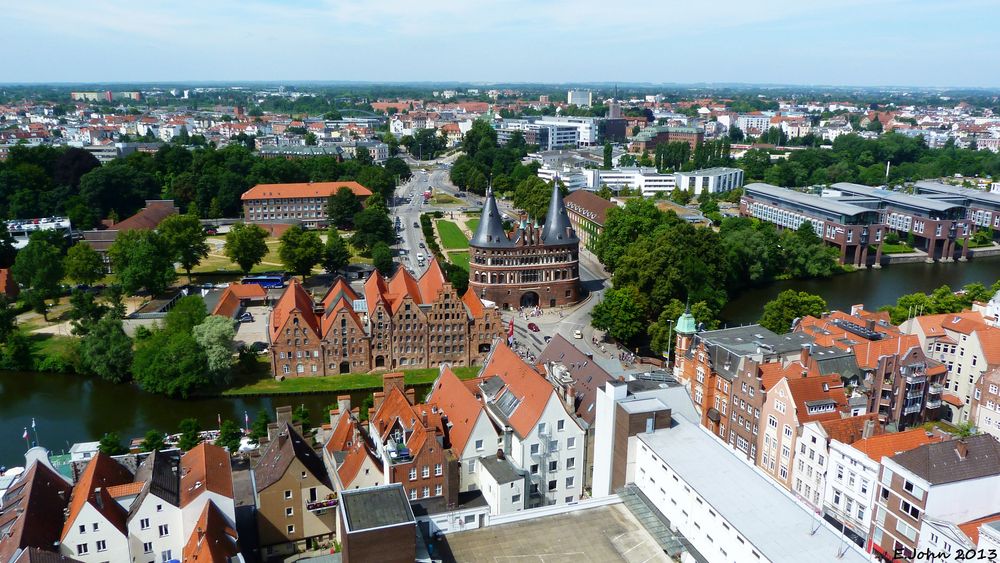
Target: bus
pixel 269 281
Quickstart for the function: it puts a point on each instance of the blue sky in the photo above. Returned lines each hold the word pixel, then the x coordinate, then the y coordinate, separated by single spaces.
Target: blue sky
pixel 846 42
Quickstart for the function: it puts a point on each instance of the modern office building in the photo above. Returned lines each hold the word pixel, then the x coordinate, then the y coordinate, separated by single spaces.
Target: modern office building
pixel 851 227
pixel 982 207
pixel 710 180
pixel 581 98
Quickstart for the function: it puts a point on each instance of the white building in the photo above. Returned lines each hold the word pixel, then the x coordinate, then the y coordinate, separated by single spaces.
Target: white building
pixel 573 178
pixel 586 128
pixel 647 180
pixel 710 180
pixel 753 124
pixel 724 506
pixel 504 486
pixel 581 98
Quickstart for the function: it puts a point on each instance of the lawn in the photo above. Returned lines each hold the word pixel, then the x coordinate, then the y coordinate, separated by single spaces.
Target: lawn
pixel 459 259
pixel 899 248
pixel 973 244
pixel 444 199
pixel 267 385
pixel 472 224
pixel 217 263
pixel 452 237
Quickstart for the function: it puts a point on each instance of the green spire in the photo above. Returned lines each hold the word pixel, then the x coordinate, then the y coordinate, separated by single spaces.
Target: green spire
pixel 686 323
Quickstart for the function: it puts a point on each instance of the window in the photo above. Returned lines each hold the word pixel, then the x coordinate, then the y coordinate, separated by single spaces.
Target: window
pixel 553 484
pixel 541 428
pixel 515 498
pixel 570 443
pixel 144 524
pixel 147 547
pixel 427 492
pixel 159 508
pixel 569 482
pixel 166 555
pixel 95 526
pixel 81 549
pixel 909 509
pixel 479 445
pixel 164 530
pixel 413 472
pixel 472 466
pixel 437 490
pixel 771 421
pixel 290 528
pixel 788 431
pixel 426 472
pixel 571 463
pixel 836 497
pixel 534 449
pixel 553 466
pixel 560 425
pixel 437 469
pixel 840 472
pixel 289 511
pixel 288 495
pixel 102 545
pixel 864 486
pixel 413 494
pixel 83 528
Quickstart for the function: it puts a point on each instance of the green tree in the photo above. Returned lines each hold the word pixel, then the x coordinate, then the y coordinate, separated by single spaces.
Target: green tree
pixel 83 264
pixel 605 192
pixel 607 156
pixel 245 245
pixel 190 431
pixel 310 139
pixel 107 351
pixel 39 268
pixel 17 352
pixel 85 311
pixel 371 226
pixel 621 313
pixel 382 258
pixel 258 429
pixel 170 363
pixel 336 255
pixel 664 329
pixel 300 250
pixel 623 226
pixel 8 319
pixel 341 208
pixel 965 429
pixel 788 306
pixel 215 336
pixel 111 444
pixel 142 260
pixel 229 436
pixel 186 240
pixel 187 313
pixel 301 416
pixel 153 441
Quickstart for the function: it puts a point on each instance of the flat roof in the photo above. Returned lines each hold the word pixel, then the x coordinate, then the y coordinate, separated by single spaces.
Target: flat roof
pixel 895 197
pixel 501 469
pixel 714 171
pixel 640 405
pixel 375 507
pixel 779 527
pixel 809 200
pixel 970 193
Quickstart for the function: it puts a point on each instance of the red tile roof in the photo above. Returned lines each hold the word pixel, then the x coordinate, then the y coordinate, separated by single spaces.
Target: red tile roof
pixel 891 444
pixel 354 460
pixel 149 217
pixel 592 206
pixel 867 353
pixel 817 388
pixel 971 528
pixel 851 429
pixel 102 472
pixel 460 405
pixel 964 322
pixel 126 490
pixel 8 286
pixel 295 300
pixel 310 189
pixel 473 303
pixel 231 298
pixel 31 515
pixel 213 540
pixel 989 340
pixel 523 382
pixel 205 467
pixel 431 282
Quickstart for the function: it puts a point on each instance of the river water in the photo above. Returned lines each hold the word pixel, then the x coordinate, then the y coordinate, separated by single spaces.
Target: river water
pixel 71 408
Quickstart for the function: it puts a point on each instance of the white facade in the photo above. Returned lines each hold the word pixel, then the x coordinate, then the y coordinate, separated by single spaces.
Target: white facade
pixel 604 436
pixel 647 180
pixel 710 180
pixel 92 538
pixel 156 530
pixel 572 179
pixel 484 440
pixel 553 454
pixel 849 495
pixel 753 124
pixel 581 98
pixel 502 497
pixel 586 128
pixel 809 469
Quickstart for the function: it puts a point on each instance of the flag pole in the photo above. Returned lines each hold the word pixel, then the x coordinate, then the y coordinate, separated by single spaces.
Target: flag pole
pixel 25 436
pixel 35 430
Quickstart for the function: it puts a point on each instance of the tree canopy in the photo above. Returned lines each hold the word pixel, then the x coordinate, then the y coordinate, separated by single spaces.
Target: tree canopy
pixel 186 240
pixel 246 245
pixel 142 260
pixel 300 250
pixel 789 306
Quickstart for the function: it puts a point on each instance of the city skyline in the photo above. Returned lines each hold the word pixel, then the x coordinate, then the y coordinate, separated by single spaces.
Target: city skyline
pixel 892 43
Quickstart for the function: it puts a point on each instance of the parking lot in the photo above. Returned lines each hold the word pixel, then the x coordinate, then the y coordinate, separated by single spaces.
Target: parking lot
pixel 256 331
pixel 608 533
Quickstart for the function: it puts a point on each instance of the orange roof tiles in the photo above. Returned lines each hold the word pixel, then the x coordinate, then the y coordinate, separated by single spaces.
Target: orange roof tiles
pixel 523 382
pixel 953 400
pixel 891 444
pixel 8 286
pixel 230 300
pixel 126 489
pixel 971 528
pixel 817 388
pixel 473 303
pixel 301 190
pixel 102 472
pixel 851 429
pixel 213 540
pixel 868 353
pixel 354 461
pixel 964 322
pixel 295 299
pixel 431 282
pixel 205 467
pixel 459 404
pixel 989 340
pixel 148 217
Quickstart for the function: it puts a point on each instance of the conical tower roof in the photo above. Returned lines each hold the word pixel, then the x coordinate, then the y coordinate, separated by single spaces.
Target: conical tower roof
pixel 686 323
pixel 490 231
pixel 557 223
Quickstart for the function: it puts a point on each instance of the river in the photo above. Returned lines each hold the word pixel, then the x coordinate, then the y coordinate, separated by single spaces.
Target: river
pixel 872 287
pixel 71 408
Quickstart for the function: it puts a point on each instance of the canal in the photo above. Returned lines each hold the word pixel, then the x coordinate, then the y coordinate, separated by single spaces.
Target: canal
pixel 71 408
pixel 74 408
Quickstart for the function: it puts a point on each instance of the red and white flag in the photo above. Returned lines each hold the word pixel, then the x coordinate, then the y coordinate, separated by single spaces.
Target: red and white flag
pixel 25 435
pixel 510 333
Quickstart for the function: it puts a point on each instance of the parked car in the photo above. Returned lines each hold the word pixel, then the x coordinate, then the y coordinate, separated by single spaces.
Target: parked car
pixel 246 318
pixel 577 334
pixel 533 327
pixel 259 347
pixel 416 225
pixel 211 231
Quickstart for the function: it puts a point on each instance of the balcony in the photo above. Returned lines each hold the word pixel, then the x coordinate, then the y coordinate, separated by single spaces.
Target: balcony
pixel 915 393
pixel 915 378
pixel 935 389
pixel 912 409
pixel 933 403
pixel 323 505
pixel 398 452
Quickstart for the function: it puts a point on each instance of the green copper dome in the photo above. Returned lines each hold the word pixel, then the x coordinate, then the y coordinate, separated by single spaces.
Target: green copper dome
pixel 686 323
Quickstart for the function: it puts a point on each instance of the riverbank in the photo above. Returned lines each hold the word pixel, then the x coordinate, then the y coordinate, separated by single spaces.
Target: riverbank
pixel 266 385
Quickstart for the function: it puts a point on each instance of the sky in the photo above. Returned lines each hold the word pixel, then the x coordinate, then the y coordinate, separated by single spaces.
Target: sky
pixel 841 43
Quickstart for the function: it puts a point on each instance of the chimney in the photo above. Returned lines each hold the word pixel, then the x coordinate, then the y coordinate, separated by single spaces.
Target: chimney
pixel 570 398
pixel 423 417
pixel 390 380
pixel 962 448
pixel 868 429
pixel 98 498
pixel 804 354
pixel 377 398
pixel 870 325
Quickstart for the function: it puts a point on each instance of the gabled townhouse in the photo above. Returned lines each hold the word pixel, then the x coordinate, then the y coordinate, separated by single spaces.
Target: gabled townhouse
pixel 350 459
pixel 293 495
pixel 410 444
pixel 31 511
pixel 95 524
pixel 538 433
pixel 952 481
pixel 397 322
pixel 156 524
pixel 966 345
pixel 793 401
pixel 471 434
pixel 852 474
pixel 214 539
pixel 812 460
pixel 905 386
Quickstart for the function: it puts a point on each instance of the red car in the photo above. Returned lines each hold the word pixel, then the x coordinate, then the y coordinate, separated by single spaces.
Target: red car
pixel 533 327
